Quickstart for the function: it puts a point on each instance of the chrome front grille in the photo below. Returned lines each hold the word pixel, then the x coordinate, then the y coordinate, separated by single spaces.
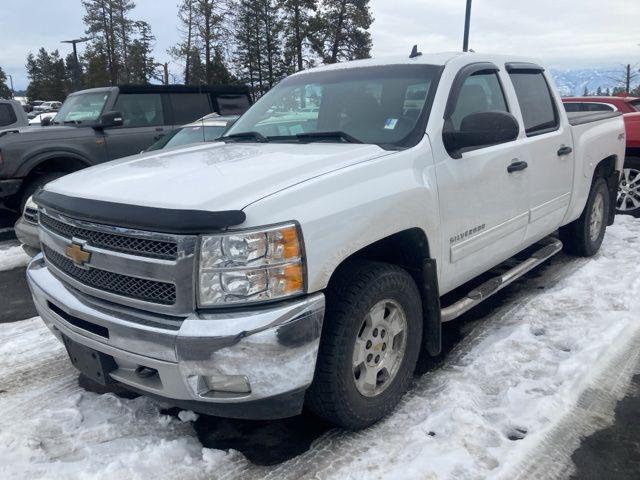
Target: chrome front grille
pixel 140 269
pixel 110 241
pixel 133 287
pixel 30 215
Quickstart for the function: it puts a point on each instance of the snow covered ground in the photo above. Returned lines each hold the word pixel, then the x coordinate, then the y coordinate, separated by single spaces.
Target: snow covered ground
pixel 511 400
pixel 12 256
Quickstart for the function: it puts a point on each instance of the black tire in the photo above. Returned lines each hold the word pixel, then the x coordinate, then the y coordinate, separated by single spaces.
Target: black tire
pixel 576 236
pixel 356 288
pixel 631 172
pixel 34 185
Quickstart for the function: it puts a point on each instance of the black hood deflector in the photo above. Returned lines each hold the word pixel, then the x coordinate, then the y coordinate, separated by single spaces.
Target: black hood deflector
pixel 164 220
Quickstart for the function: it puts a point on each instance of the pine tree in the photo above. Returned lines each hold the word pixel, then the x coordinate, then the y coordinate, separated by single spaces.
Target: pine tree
pixel 48 76
pixel 599 92
pixel 141 64
pixel 100 19
pixel 211 27
pixel 186 49
pixel 608 92
pixel 297 15
pixel 95 64
pixel 341 30
pixel 5 91
pixel 586 92
pixel 115 38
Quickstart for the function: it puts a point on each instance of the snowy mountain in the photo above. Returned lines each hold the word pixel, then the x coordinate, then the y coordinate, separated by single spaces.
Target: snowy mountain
pixel 572 82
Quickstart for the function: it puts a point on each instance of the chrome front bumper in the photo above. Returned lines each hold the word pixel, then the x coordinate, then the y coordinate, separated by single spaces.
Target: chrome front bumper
pixel 273 347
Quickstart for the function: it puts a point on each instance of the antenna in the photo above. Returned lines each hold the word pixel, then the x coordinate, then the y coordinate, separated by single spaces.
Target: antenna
pixel 467 26
pixel 414 52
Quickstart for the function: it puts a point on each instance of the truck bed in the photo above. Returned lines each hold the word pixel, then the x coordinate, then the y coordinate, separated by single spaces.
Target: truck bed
pixel 580 118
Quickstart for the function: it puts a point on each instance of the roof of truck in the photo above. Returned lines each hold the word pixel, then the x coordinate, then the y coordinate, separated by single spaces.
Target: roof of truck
pixel 442 58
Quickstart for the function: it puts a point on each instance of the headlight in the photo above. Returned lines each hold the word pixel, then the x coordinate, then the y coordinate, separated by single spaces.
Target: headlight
pixel 250 266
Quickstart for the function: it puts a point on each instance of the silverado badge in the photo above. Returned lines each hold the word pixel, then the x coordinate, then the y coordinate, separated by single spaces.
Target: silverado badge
pixel 77 254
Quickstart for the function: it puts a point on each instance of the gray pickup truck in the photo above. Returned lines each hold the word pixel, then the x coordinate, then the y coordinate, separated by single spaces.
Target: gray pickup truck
pixel 101 124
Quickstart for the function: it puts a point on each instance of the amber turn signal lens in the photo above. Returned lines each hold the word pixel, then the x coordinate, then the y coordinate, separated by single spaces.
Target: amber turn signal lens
pixel 291 245
pixel 293 278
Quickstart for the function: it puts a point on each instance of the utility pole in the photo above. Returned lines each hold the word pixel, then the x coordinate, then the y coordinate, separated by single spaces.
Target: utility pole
pixel 165 67
pixel 11 83
pixel 76 63
pixel 628 90
pixel 467 25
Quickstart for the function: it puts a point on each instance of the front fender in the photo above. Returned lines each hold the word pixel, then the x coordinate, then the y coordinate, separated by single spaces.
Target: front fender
pixel 346 210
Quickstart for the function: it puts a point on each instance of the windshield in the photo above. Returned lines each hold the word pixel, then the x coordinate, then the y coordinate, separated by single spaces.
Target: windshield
pixel 375 105
pixel 187 135
pixel 84 107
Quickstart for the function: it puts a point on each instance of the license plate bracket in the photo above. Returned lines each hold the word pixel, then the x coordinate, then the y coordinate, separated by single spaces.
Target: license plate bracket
pixel 93 364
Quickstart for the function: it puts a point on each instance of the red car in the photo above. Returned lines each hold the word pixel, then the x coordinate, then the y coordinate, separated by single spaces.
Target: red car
pixel 629 189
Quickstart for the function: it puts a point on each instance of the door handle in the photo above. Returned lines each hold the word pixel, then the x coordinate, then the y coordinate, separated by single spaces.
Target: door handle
pixel 564 151
pixel 516 166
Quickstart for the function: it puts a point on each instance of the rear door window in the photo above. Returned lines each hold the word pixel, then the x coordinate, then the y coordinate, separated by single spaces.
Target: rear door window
pixel 188 107
pixel 7 115
pixel 140 109
pixel 537 105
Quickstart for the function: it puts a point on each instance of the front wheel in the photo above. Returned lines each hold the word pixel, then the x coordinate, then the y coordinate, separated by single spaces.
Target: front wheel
pixel 584 236
pixel 370 344
pixel 628 200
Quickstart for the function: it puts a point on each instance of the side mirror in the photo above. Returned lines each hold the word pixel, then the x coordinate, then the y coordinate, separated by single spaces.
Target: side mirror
pixel 481 129
pixel 110 119
pixel 46 121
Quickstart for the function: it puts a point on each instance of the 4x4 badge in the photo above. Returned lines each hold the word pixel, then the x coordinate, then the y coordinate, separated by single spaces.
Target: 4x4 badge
pixel 77 254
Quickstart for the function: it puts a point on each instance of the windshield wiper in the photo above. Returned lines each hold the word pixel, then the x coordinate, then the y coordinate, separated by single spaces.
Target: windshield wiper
pixel 320 136
pixel 246 136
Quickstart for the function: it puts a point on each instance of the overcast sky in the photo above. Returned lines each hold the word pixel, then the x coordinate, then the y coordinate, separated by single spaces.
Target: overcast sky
pixel 564 33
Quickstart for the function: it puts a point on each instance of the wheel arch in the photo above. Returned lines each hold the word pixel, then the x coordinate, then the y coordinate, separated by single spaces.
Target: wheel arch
pixel 409 249
pixel 606 169
pixel 54 162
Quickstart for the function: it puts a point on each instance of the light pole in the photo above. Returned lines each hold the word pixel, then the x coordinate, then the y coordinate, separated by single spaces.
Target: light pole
pixel 467 24
pixel 76 64
pixel 11 83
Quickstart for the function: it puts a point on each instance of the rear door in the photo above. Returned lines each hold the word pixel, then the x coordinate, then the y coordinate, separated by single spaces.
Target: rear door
pixel 483 206
pixel 547 149
pixel 143 123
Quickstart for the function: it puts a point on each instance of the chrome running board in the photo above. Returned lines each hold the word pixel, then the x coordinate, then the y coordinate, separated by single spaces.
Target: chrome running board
pixel 549 247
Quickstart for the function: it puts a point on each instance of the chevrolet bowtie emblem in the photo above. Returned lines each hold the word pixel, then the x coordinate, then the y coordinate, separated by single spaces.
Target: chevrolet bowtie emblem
pixel 77 254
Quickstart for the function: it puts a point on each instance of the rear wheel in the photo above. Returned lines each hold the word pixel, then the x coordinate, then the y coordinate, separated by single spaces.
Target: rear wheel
pixel 371 339
pixel 628 201
pixel 584 236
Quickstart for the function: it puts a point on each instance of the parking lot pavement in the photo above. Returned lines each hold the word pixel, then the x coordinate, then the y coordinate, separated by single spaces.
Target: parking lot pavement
pixel 614 452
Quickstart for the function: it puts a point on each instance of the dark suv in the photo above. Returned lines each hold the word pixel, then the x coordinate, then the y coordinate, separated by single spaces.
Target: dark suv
pixel 101 124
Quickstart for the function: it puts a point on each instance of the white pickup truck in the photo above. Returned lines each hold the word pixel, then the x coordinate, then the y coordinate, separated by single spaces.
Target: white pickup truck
pixel 303 259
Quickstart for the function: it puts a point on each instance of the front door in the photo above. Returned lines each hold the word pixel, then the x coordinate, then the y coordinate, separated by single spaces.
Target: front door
pixel 143 124
pixel 483 202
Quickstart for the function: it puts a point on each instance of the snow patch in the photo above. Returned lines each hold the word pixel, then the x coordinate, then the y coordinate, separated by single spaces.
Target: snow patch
pixel 13 257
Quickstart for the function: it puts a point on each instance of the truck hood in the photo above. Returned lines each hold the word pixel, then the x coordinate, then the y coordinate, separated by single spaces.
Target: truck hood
pixel 210 177
pixel 32 133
